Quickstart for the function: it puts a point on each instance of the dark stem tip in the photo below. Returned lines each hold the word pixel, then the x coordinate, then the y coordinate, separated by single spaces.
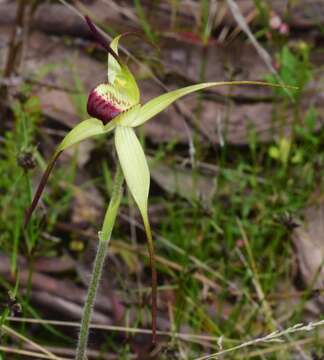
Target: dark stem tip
pixel 40 189
pixel 101 40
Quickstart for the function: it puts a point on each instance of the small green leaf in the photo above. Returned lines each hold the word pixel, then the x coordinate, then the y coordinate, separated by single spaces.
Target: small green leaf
pixel 158 104
pixel 134 165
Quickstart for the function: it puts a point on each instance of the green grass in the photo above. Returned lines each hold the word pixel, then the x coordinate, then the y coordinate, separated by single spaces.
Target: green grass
pixel 227 250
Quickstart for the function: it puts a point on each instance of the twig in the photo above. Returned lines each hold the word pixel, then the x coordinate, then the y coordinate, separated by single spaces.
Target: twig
pixel 275 336
pixel 15 43
pixel 182 336
pixel 14 333
pixel 11 350
pixel 284 346
pixel 260 50
pixel 91 353
pixel 15 39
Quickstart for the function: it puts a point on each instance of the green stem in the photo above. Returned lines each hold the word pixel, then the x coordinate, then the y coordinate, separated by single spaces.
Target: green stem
pixel 104 237
pixel 150 246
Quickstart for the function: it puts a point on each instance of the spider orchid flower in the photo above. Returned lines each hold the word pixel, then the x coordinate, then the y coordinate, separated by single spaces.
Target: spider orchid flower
pixel 114 106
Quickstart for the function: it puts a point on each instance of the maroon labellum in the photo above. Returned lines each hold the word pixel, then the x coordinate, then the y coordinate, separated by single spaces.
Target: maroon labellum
pixel 101 107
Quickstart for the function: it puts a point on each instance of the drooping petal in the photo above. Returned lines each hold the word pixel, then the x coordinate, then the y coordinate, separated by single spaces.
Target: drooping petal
pixel 120 76
pixel 158 104
pixel 134 165
pixel 82 131
pixel 136 172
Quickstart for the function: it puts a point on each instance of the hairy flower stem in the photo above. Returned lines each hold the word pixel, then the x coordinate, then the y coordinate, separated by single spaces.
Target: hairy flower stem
pixel 150 246
pixel 104 238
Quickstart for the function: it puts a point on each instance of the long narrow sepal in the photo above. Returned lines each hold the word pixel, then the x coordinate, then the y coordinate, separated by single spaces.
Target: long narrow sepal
pixel 82 131
pixel 136 172
pixel 134 165
pixel 158 104
pixel 151 250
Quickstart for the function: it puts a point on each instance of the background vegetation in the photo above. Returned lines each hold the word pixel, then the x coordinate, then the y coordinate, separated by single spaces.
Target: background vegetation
pixel 237 181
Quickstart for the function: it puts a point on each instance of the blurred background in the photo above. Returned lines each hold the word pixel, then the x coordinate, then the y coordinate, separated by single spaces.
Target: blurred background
pixel 236 200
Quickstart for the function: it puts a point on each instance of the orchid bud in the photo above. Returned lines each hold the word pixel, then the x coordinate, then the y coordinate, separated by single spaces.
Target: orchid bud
pixel 104 103
pixel 26 160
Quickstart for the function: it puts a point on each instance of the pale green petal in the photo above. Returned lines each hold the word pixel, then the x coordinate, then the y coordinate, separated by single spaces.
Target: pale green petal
pixel 128 117
pixel 133 162
pixel 82 131
pixel 113 66
pixel 120 76
pixel 158 104
pixel 111 124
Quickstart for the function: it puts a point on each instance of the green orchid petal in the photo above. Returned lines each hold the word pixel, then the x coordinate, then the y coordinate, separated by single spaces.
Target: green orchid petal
pixel 82 131
pixel 137 175
pixel 113 67
pixel 120 76
pixel 128 117
pixel 158 104
pixel 134 165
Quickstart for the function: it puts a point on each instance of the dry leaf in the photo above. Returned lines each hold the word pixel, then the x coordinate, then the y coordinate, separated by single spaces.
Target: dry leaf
pixel 309 243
